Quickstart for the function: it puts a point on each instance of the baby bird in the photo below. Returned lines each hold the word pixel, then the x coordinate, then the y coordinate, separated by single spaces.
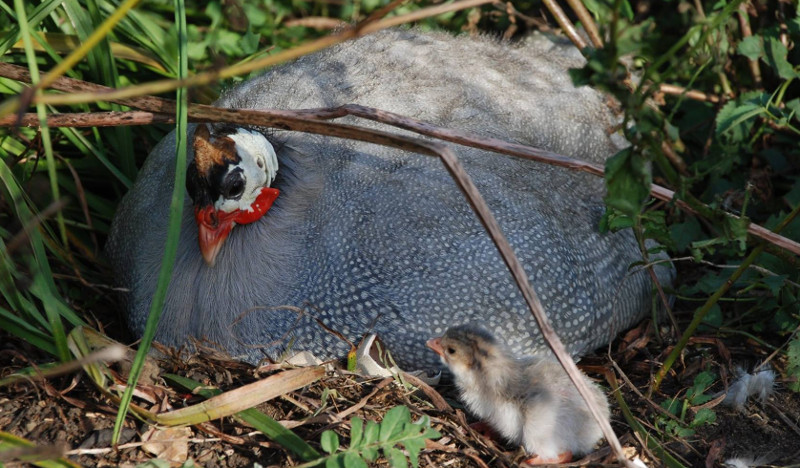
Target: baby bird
pixel 529 400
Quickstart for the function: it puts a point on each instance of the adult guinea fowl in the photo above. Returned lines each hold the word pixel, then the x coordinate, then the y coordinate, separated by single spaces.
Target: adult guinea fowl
pixel 366 238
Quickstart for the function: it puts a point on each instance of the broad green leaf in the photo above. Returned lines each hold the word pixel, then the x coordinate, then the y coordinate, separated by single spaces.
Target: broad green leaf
pixel 371 432
pixel 415 445
pixel 395 457
pixel 329 441
pixel 734 114
pixel 775 56
pixel 393 422
pixel 370 454
pixel 353 460
pixel 356 431
pixel 704 416
pixel 336 461
pixel 793 364
pixel 628 182
pixel 751 47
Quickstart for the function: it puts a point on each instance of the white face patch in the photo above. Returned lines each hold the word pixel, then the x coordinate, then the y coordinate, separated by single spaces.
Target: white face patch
pixel 259 166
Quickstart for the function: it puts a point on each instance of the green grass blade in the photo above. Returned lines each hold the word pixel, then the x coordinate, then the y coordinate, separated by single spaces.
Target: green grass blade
pixel 9 441
pixel 42 269
pixel 102 63
pixel 39 13
pixel 22 329
pixel 122 136
pixel 144 30
pixel 271 428
pixel 42 113
pixel 174 226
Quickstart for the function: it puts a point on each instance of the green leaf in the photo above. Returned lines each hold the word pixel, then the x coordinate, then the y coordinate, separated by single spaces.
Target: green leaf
pixel 683 234
pixel 628 181
pixel 774 283
pixel 356 432
pixel 329 441
pixel 353 460
pixel 751 47
pixel 793 366
pixel 415 446
pixel 393 422
pixel 704 416
pixel 713 319
pixel 335 461
pixel 733 115
pixel 370 453
pixel 371 432
pixel 775 56
pixel 395 457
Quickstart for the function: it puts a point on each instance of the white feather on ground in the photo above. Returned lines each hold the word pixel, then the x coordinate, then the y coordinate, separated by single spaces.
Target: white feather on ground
pixel 746 462
pixel 760 383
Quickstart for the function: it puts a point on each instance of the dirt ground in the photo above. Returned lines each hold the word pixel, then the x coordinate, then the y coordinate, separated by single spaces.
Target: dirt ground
pixel 67 415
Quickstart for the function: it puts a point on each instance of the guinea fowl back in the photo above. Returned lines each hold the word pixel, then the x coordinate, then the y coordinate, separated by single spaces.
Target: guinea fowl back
pixel 368 238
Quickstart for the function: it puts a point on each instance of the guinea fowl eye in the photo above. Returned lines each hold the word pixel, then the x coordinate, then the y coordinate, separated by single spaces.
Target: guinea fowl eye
pixel 234 186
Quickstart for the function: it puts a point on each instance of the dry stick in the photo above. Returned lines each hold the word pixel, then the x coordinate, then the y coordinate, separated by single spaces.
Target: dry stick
pixel 744 25
pixel 540 155
pixel 12 105
pixel 89 119
pixel 565 23
pixel 689 93
pixel 277 118
pixel 586 20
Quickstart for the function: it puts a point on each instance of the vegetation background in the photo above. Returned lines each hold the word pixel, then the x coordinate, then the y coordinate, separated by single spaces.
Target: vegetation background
pixel 709 90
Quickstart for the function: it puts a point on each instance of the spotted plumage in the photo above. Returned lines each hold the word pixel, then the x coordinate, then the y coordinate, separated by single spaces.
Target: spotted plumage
pixel 371 239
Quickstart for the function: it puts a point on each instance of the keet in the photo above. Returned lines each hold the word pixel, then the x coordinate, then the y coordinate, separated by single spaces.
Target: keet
pixel 529 400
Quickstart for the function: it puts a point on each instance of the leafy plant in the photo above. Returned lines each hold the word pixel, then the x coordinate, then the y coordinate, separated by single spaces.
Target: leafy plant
pixel 366 442
pixel 681 425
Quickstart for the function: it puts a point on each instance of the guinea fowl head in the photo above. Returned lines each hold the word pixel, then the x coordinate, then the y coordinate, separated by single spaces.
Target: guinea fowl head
pixel 229 182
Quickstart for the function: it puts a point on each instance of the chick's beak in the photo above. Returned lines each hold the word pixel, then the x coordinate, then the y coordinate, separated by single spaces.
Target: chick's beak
pixel 436 345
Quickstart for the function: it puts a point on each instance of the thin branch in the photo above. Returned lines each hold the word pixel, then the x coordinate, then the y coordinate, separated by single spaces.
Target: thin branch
pixel 674 90
pixel 565 23
pixel 88 119
pixel 744 25
pixel 587 21
pixel 12 106
pixel 299 121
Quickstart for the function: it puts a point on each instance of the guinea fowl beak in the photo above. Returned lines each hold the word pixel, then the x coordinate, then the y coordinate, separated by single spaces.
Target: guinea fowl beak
pixel 436 345
pixel 214 226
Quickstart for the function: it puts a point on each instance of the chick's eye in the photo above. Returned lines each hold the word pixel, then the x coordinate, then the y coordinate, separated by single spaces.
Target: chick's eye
pixel 451 350
pixel 234 186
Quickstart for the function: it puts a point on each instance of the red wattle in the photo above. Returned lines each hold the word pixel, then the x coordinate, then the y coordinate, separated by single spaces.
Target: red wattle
pixel 263 203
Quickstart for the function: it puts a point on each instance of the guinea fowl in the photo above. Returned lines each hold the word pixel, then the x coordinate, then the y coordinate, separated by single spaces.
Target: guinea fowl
pixel 365 238
pixel 529 400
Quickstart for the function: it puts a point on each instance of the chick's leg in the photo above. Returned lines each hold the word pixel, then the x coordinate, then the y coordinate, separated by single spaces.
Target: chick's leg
pixel 540 435
pixel 560 458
